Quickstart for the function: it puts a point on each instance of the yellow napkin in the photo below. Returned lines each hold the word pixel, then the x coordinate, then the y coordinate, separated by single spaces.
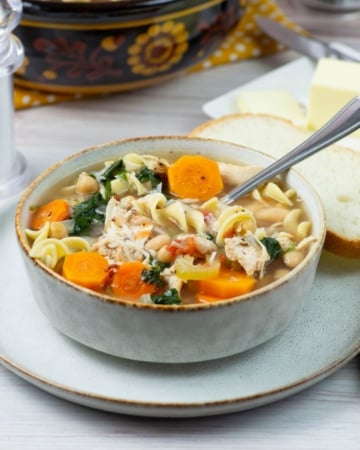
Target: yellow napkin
pixel 244 42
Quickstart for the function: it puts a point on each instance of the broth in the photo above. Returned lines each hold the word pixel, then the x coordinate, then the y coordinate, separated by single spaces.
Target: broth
pixel 149 229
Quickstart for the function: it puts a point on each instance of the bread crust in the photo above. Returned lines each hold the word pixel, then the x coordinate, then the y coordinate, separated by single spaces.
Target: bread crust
pixel 341 246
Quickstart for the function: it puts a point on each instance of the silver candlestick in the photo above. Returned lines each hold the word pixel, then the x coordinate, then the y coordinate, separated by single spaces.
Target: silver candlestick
pixel 13 169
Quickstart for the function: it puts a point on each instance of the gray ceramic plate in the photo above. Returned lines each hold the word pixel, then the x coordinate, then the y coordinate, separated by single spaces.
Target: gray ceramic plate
pixel 325 335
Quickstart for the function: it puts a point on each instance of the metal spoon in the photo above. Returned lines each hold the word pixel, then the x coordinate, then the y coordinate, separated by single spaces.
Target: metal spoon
pixel 343 123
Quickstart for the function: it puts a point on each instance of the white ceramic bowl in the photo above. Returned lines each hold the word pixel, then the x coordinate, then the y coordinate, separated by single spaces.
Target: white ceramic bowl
pixel 168 333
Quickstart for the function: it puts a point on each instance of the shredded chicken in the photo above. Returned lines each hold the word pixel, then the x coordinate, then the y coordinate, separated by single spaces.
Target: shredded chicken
pixel 118 211
pixel 248 252
pixel 170 277
pixel 305 243
pixel 122 241
pixel 204 245
pixel 286 240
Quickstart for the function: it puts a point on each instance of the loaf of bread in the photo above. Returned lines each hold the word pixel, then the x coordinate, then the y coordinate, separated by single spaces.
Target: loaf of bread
pixel 334 172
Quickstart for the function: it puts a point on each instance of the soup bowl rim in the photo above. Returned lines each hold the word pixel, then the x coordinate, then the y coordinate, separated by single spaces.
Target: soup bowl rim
pixel 104 298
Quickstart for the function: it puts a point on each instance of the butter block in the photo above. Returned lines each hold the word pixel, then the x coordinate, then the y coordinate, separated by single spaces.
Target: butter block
pixel 334 83
pixel 276 102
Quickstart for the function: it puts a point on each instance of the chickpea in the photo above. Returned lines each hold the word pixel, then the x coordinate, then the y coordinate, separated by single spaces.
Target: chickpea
pixel 164 255
pixel 157 242
pixel 293 258
pixel 86 184
pixel 57 230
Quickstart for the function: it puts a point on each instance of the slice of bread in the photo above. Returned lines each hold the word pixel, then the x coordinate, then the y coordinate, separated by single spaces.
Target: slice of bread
pixel 334 172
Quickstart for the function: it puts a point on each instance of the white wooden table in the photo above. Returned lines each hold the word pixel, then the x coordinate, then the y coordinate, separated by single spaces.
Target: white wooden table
pixel 325 416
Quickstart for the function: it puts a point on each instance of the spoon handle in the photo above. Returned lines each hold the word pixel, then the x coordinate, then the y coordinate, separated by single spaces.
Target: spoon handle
pixel 343 123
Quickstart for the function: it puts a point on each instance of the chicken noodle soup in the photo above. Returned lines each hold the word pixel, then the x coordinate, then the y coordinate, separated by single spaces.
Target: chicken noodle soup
pixel 147 229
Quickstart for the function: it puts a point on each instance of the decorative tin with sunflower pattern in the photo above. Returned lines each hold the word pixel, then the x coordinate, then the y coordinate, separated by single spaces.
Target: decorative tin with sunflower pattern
pixel 107 46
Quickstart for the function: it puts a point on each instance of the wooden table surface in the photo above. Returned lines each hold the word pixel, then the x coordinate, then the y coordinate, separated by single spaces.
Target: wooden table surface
pixel 324 416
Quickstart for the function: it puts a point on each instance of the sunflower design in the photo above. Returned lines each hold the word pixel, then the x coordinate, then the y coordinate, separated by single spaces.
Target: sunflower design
pixel 158 49
pixel 112 43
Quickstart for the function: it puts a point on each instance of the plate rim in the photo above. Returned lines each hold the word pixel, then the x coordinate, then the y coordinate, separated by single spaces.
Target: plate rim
pixel 236 404
pixel 173 408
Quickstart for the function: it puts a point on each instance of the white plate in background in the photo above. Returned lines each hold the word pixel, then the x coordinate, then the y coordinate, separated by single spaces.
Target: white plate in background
pixel 295 77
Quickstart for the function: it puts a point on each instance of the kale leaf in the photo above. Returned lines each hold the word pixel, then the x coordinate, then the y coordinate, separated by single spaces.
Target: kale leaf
pixel 115 169
pixel 152 276
pixel 272 246
pixel 169 297
pixel 88 213
pixel 145 174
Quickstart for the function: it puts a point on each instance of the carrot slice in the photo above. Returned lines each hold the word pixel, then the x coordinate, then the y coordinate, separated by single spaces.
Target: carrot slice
pixel 88 269
pixel 228 284
pixel 127 281
pixel 195 176
pixel 54 211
